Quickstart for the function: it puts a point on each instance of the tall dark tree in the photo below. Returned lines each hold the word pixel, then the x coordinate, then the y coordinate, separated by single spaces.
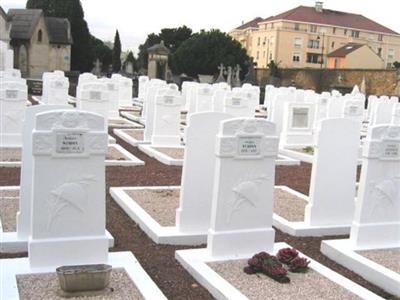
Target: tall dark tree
pixel 116 53
pixel 81 51
pixel 172 37
pixel 205 51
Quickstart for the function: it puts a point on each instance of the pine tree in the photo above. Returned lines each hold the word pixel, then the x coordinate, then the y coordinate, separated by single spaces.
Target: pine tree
pixel 81 51
pixel 116 54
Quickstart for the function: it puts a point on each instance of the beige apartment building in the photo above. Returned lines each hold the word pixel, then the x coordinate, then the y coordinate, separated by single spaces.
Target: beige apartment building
pixel 303 37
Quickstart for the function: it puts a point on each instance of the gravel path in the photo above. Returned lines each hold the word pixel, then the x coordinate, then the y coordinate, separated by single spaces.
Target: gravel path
pixel 176 153
pixel 160 204
pixel 46 286
pixel 389 258
pixel 8 213
pixel 308 286
pixel 10 154
pixel 289 206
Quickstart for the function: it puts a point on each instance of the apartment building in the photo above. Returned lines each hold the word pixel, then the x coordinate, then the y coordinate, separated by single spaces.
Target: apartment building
pixel 303 37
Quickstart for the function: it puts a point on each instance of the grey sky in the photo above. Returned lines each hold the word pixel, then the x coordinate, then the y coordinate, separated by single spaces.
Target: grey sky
pixel 136 19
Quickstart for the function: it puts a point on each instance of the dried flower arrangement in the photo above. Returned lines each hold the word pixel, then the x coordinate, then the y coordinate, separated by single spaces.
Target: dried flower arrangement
pixel 274 266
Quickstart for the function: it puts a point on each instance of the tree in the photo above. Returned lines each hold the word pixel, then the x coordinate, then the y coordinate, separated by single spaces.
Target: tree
pixel 102 52
pixel 131 58
pixel 396 65
pixel 81 50
pixel 172 37
pixel 116 53
pixel 205 51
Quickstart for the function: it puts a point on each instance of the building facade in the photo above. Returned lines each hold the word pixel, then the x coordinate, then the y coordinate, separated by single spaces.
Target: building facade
pixel 304 36
pixel 41 44
pixel 4 27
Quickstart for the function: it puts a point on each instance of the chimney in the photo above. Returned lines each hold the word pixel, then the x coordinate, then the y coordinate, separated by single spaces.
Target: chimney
pixel 319 6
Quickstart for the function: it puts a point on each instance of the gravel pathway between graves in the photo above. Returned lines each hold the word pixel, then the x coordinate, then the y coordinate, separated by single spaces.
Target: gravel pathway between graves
pixel 137 134
pixel 10 154
pixel 289 206
pixel 389 258
pixel 159 260
pixel 175 153
pixel 114 154
pixel 160 204
pixel 8 213
pixel 45 286
pixel 310 285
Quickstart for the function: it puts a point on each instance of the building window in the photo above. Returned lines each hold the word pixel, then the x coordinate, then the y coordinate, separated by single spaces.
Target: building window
pixel 297 26
pixel 333 45
pixel 370 36
pixel 272 25
pixel 265 41
pixel 390 54
pixel 258 55
pixel 345 32
pixel 313 28
pixel 264 54
pixel 334 30
pixel 258 41
pixel 297 43
pixel 40 36
pixel 313 44
pixel 313 58
pixel 379 51
pixel 355 34
pixel 380 37
pixel 296 57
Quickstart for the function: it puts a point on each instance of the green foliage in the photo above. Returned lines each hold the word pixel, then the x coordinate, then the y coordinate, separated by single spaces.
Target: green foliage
pixel 172 37
pixel 205 51
pixel 82 56
pixel 102 52
pixel 396 65
pixel 116 53
pixel 273 69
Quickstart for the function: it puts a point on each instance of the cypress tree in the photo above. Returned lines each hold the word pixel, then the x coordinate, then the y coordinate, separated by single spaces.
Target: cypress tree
pixel 116 54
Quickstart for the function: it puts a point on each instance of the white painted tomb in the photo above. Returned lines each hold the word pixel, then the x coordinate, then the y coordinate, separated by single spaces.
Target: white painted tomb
pixel 382 113
pixel 55 88
pixel 376 223
pixel 298 125
pixel 241 217
pixel 237 104
pixel 112 87
pixel 204 97
pixel 220 92
pixel 125 90
pixel 193 214
pixel 13 97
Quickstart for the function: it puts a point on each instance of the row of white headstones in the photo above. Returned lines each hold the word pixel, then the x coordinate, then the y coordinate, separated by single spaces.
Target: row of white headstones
pixel 297 112
pixel 67 209
pixel 163 103
pixel 104 96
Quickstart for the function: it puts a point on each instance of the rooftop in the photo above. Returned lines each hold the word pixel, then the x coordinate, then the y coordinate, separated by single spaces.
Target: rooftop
pixel 252 23
pixel 345 50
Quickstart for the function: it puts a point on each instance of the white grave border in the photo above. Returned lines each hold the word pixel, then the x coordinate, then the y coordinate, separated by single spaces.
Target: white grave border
pixel 195 262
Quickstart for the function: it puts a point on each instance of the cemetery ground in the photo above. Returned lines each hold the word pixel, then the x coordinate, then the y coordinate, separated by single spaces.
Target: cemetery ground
pixel 159 260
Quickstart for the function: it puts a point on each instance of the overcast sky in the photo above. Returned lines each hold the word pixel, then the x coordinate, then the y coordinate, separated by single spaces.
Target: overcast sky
pixel 136 19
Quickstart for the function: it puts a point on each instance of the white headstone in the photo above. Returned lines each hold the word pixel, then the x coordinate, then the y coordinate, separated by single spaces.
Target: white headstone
pixel 167 118
pixel 241 214
pixel 112 86
pixel 396 114
pixel 204 97
pixel 333 177
pixel 193 214
pixel 382 112
pixel 125 89
pixel 94 97
pixel 377 215
pixel 25 194
pixel 354 109
pixel 142 89
pixel 237 104
pixel 13 97
pixel 6 57
pixel 68 207
pixel 55 88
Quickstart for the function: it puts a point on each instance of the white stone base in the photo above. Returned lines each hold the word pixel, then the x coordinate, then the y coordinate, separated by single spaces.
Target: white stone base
pixel 283 160
pixel 343 252
pixel 9 268
pixel 161 157
pixel 308 158
pixel 130 116
pixel 9 241
pixel 123 123
pixel 303 228
pixel 10 140
pixel 130 159
pixel 195 262
pixel 127 138
pixel 169 235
